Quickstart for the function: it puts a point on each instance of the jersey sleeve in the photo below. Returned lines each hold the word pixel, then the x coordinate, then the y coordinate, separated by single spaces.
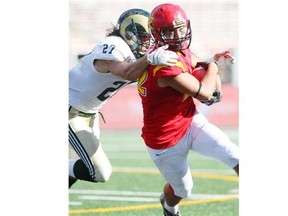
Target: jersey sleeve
pixel 165 72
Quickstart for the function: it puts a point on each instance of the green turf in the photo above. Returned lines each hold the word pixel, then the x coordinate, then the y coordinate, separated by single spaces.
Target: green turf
pixel 133 172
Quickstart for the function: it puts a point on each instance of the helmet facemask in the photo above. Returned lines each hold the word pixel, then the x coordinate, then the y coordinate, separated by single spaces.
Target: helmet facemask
pixel 168 36
pixel 137 38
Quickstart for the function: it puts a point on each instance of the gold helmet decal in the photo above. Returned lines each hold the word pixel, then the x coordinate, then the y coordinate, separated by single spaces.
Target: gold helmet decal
pixel 150 21
pixel 179 22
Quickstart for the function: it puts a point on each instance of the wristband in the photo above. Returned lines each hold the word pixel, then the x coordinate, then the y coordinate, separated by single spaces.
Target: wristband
pixel 200 85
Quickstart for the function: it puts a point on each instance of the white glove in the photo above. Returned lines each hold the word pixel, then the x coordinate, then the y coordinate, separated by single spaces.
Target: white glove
pixel 161 56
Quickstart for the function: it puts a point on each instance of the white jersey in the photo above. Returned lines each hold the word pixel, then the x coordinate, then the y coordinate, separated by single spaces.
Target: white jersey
pixel 89 89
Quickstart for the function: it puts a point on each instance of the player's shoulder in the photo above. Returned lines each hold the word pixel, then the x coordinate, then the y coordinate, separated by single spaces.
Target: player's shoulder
pixel 115 40
pixel 121 46
pixel 112 48
pixel 161 71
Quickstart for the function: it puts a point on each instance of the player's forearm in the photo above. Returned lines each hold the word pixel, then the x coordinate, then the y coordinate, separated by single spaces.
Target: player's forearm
pixel 135 69
pixel 210 79
pixel 218 82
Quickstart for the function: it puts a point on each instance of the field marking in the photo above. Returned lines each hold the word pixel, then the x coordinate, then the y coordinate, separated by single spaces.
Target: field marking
pixel 75 203
pixel 216 176
pixel 140 193
pixel 113 192
pixel 131 196
pixel 217 198
pixel 230 178
pixel 150 206
pixel 118 198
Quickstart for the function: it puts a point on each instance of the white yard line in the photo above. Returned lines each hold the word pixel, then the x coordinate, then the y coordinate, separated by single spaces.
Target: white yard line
pixel 118 198
pixel 133 196
pixel 113 192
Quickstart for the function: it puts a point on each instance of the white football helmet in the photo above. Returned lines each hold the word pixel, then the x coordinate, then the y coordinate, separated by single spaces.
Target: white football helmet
pixel 133 28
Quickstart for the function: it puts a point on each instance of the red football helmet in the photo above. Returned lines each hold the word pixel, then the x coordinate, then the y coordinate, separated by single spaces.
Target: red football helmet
pixel 169 24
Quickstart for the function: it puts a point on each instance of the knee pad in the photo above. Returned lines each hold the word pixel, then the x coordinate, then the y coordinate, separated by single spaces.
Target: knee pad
pixel 184 190
pixel 104 176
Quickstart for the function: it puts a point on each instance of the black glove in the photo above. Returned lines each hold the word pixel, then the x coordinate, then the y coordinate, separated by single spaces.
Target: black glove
pixel 216 97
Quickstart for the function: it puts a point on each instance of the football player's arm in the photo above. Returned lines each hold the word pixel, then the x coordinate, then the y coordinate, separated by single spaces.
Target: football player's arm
pixel 124 69
pixel 197 60
pixel 216 57
pixel 218 82
pixel 220 58
pixel 188 84
pixel 133 70
pixel 128 70
pixel 223 58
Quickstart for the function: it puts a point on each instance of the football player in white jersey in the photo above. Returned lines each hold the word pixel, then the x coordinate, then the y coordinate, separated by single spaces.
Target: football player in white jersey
pixel 115 62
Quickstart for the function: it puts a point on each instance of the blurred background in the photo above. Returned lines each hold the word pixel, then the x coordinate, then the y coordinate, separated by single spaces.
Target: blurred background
pixel 214 25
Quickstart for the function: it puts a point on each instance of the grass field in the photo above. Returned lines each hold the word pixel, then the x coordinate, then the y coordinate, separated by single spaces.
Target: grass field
pixel 135 184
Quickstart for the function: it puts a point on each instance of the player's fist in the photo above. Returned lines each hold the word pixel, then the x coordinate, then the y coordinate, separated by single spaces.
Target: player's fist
pixel 162 56
pixel 216 97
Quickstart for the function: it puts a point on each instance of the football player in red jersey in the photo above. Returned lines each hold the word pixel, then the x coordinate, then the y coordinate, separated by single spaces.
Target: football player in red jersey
pixel 172 124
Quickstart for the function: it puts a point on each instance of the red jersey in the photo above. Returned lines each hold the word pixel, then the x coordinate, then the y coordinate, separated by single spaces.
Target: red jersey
pixel 167 113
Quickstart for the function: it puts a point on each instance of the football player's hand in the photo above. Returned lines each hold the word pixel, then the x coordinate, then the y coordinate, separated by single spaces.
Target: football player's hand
pixel 161 56
pixel 216 97
pixel 224 58
pixel 202 64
